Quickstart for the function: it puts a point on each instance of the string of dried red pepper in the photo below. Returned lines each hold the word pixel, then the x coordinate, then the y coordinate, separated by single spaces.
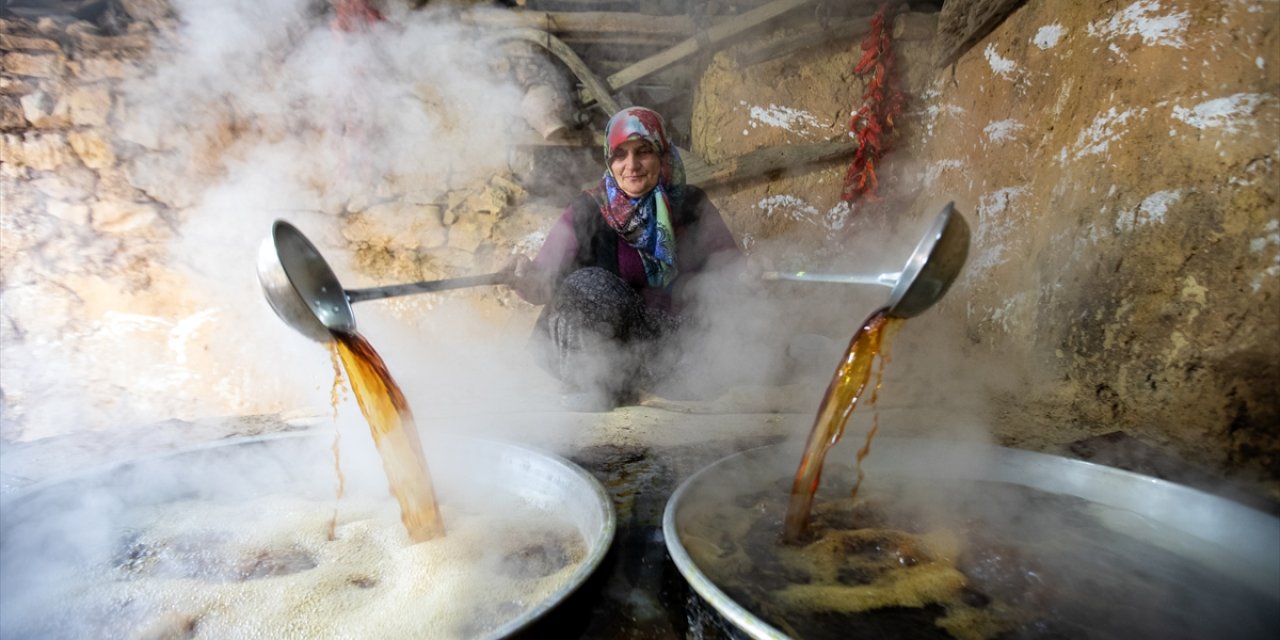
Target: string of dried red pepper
pixel 873 122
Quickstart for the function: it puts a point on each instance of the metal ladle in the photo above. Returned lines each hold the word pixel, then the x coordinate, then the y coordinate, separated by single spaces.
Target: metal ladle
pixel 929 272
pixel 306 294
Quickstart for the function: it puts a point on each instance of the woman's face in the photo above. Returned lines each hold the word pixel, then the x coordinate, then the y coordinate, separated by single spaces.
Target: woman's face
pixel 635 165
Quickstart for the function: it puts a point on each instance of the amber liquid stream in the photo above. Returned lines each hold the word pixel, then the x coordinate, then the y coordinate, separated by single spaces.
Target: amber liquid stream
pixel 334 397
pixel 394 434
pixel 843 394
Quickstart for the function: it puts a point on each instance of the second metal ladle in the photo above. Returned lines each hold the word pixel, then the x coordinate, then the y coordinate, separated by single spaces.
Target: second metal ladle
pixel 929 271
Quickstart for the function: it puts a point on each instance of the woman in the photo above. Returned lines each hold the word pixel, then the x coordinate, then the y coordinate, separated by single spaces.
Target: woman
pixel 615 270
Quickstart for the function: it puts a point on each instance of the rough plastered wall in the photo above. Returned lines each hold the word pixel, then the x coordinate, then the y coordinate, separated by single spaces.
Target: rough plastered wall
pixel 1116 162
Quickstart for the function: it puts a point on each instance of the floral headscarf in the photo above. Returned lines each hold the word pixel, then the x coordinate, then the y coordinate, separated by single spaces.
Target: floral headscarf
pixel 644 222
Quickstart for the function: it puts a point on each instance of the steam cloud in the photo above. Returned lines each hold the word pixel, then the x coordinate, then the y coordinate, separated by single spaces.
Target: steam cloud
pixel 258 111
pixel 248 113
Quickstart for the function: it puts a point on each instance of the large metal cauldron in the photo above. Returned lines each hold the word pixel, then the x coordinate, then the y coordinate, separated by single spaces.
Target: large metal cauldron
pixel 1222 537
pixel 56 531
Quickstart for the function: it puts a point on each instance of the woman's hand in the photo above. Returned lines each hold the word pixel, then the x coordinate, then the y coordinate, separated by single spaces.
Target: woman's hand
pixel 516 272
pixel 530 282
pixel 752 268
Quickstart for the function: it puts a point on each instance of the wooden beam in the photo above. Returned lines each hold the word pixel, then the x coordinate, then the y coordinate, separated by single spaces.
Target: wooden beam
pixel 906 26
pixel 648 41
pixel 765 161
pixel 719 32
pixel 753 164
pixel 962 23
pixel 806 38
pixel 584 22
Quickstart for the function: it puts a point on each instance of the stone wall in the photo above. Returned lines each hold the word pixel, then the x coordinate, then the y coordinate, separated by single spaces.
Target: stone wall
pixel 1117 164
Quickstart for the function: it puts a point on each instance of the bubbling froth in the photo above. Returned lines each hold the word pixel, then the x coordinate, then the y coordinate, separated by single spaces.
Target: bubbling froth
pixel 268 568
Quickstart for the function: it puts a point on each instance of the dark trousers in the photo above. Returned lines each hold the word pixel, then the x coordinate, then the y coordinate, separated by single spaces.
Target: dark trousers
pixel 597 335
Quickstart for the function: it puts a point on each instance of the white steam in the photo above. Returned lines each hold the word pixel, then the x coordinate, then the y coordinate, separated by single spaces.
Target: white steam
pixel 245 113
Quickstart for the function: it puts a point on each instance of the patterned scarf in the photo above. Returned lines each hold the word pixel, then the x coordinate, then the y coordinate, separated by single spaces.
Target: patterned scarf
pixel 644 222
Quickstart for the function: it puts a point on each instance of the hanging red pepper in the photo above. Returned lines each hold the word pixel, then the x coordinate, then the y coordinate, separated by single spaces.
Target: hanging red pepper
pixel 874 120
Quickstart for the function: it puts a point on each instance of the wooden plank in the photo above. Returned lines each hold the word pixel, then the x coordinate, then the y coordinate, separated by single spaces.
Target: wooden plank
pixel 693 165
pixel 807 38
pixel 765 161
pixel 585 22
pixel 719 32
pixel 962 23
pixel 906 26
pixel 651 42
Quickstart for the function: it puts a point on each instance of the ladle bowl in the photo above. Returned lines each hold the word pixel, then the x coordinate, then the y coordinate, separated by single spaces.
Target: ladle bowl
pixel 304 291
pixel 929 271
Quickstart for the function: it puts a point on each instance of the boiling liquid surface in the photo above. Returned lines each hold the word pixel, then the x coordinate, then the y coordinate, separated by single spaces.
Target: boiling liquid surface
pixel 958 559
pixel 268 568
pixel 288 565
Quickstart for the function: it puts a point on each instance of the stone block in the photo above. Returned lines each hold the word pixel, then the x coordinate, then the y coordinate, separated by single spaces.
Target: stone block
pixel 10 148
pixel 396 225
pixel 113 184
pixel 26 226
pixel 448 216
pixel 74 213
pixel 136 130
pixel 89 105
pixel 156 175
pixel 145 9
pixel 11 116
pixel 11 172
pixel 45 111
pixel 118 217
pixel 433 237
pixel 96 43
pixel 93 150
pixel 14 86
pixel 10 42
pixel 45 304
pixel 38 150
pixel 41 65
pixel 94 69
pixel 511 191
pixel 48 26
pixel 425 196
pixel 470 232
pixel 487 200
pixel 72 184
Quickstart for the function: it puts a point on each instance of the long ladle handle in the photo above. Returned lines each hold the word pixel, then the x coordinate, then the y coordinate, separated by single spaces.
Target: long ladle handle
pixel 885 279
pixel 376 293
